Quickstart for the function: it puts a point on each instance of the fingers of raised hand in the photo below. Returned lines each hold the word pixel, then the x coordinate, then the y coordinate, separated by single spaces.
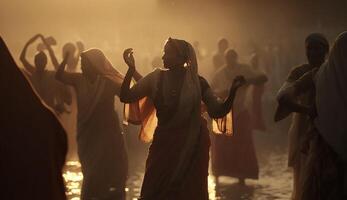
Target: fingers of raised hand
pixel 127 53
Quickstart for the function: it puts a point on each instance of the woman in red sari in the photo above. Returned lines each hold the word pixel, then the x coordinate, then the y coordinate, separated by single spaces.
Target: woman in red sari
pixel 177 163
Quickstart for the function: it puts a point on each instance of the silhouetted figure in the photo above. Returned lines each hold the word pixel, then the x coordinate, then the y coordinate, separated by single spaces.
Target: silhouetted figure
pixel 32 141
pixel 196 45
pixel 70 48
pixel 328 156
pixel 317 48
pixel 324 171
pixel 257 93
pixel 177 164
pixel 235 156
pixel 70 121
pixel 219 57
pixel 100 141
pixel 53 93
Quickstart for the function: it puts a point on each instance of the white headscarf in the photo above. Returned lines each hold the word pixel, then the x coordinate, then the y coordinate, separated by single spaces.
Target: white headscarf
pixel 331 97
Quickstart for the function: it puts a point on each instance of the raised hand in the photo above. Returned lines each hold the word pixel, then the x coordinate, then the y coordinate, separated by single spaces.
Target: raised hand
pixel 129 58
pixel 65 58
pixel 80 46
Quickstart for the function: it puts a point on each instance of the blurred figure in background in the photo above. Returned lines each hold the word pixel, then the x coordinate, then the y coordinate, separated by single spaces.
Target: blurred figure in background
pixel 70 121
pixel 101 147
pixel 317 47
pixel 52 92
pixel 235 156
pixel 219 57
pixel 70 48
pixel 257 92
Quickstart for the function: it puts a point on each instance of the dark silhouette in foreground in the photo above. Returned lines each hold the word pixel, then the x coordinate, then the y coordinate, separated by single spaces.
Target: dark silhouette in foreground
pixel 33 142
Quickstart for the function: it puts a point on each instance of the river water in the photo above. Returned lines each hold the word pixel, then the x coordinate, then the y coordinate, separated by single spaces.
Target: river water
pixel 275 179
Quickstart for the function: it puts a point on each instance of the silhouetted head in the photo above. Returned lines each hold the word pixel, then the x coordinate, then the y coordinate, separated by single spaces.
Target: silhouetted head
pixel 40 61
pixel 231 57
pixel 223 45
pixel 69 48
pixel 317 47
pixel 175 53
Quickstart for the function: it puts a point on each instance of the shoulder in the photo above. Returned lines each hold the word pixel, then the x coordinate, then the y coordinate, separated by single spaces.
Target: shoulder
pixel 203 81
pixel 153 75
pixel 297 71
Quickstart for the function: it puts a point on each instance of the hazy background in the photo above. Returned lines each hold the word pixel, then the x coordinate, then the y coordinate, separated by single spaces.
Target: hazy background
pixel 113 25
pixel 276 27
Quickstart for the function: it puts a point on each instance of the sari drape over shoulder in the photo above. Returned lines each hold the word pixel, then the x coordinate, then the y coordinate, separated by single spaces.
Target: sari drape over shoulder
pixel 177 163
pixel 101 147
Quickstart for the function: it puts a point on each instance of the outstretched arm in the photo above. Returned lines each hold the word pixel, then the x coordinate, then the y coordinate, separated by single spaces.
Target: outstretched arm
pixel 216 107
pixel 30 68
pixel 140 89
pixel 51 53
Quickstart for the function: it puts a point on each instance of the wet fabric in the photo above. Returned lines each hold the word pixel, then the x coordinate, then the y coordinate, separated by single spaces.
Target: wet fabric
pixel 300 125
pixel 226 151
pixel 162 160
pixel 33 142
pixel 100 140
pixel 258 121
pixel 323 173
pixel 175 142
pixel 300 122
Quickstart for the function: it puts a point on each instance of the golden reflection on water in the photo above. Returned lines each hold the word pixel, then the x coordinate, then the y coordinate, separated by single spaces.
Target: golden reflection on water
pixel 275 182
pixel 73 182
pixel 73 179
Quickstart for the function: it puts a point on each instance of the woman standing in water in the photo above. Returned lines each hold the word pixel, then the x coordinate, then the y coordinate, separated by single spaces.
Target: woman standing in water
pixel 324 144
pixel 100 142
pixel 177 164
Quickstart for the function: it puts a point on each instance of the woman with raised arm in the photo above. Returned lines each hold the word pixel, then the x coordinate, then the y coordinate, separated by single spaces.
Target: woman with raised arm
pixel 100 141
pixel 53 93
pixel 177 164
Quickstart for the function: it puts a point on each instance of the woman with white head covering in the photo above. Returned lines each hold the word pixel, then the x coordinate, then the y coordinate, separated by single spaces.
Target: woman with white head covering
pixel 100 142
pixel 317 49
pixel 177 164
pixel 324 144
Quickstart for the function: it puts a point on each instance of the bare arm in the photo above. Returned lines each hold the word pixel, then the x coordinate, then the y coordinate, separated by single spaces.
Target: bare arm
pixel 30 68
pixel 216 107
pixel 51 53
pixel 65 77
pixel 140 89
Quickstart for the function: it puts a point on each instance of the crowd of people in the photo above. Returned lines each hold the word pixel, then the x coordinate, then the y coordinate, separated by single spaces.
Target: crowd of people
pixel 186 119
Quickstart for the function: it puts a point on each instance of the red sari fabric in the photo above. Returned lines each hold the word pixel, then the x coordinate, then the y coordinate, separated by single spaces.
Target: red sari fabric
pixel 162 160
pixel 235 156
pixel 257 110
